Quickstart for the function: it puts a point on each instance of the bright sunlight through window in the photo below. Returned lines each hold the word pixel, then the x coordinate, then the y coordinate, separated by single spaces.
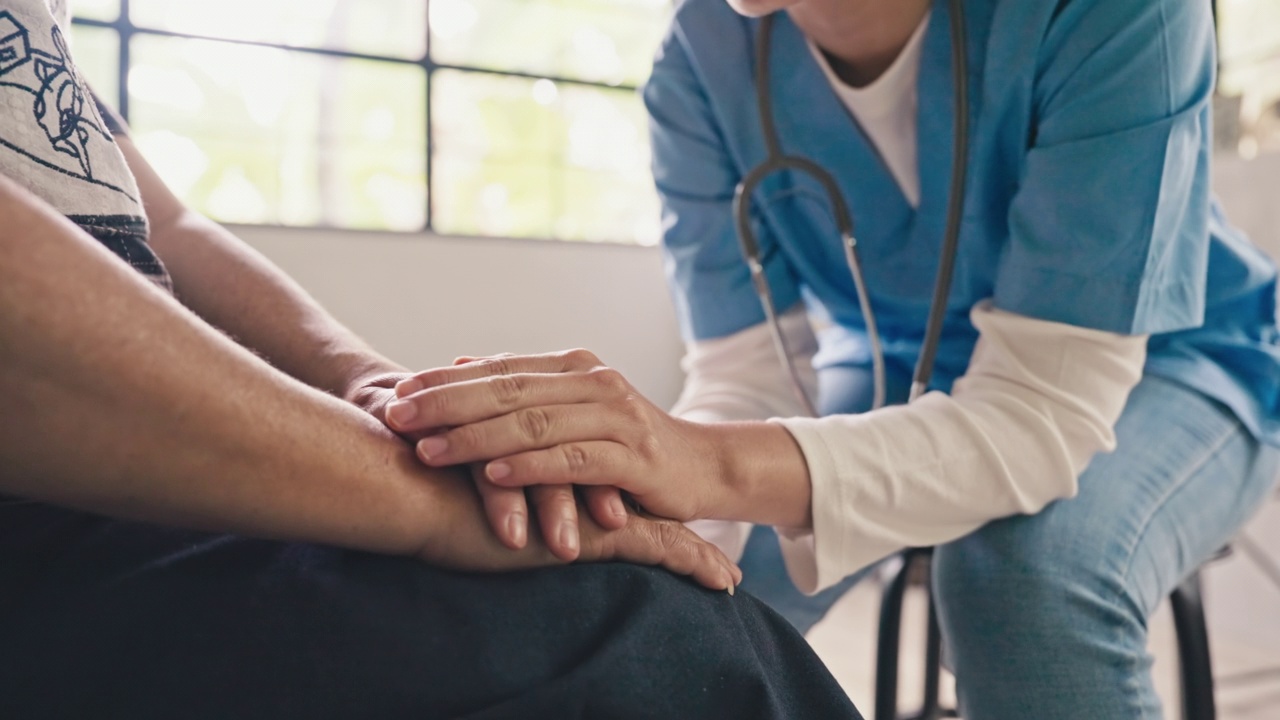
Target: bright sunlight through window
pixel 514 118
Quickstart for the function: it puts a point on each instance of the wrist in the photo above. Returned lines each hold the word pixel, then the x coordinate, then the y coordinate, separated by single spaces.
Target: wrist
pixel 716 495
pixel 760 475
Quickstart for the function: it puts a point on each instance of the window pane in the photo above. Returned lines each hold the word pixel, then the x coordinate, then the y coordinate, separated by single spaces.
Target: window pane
pixel 96 52
pixel 379 27
pixel 260 135
pixel 96 9
pixel 603 40
pixel 526 158
pixel 1249 32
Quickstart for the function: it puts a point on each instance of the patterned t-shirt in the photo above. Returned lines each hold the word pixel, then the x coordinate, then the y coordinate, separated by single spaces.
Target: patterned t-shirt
pixel 58 143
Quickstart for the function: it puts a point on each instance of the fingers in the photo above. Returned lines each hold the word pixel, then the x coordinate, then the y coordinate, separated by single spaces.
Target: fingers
pixel 506 509
pixel 596 462
pixel 678 549
pixel 466 368
pixel 533 428
pixel 558 519
pixel 604 503
pixel 471 400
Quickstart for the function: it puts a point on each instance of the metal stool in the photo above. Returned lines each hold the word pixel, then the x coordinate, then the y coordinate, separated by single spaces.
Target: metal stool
pixel 1196 668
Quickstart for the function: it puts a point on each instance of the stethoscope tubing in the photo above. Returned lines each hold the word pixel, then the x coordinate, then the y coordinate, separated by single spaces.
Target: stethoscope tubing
pixel 776 161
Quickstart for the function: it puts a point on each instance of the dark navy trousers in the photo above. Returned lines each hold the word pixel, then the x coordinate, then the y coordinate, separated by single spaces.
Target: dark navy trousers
pixel 109 619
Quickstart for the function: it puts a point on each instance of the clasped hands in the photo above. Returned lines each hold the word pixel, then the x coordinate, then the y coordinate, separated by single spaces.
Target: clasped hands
pixel 553 442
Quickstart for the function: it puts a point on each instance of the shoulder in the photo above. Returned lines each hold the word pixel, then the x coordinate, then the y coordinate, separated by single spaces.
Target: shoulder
pixel 1098 22
pixel 698 12
pixel 1057 21
pixel 707 44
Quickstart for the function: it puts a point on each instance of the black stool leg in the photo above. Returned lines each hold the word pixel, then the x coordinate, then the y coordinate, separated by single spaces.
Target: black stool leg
pixel 888 641
pixel 1193 651
pixel 931 709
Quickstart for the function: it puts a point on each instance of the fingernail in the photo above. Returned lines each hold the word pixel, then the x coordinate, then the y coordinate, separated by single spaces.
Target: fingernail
pixel 730 589
pixel 569 536
pixel 497 471
pixel 433 447
pixel 402 411
pixel 407 387
pixel 617 508
pixel 516 529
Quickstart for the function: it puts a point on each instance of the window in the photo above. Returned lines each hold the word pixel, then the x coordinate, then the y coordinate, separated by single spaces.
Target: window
pixel 1248 119
pixel 516 118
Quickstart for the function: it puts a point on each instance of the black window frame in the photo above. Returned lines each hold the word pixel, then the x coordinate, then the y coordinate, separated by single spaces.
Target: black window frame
pixel 126 30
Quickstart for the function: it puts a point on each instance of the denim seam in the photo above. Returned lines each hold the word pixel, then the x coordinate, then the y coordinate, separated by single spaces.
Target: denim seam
pixel 1234 427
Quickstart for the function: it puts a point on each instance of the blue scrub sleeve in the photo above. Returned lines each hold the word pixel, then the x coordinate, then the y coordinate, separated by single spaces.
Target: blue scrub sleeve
pixel 696 178
pixel 1109 227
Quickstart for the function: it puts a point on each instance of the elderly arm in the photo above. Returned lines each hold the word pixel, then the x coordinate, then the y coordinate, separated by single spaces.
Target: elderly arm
pixel 118 400
pixel 231 286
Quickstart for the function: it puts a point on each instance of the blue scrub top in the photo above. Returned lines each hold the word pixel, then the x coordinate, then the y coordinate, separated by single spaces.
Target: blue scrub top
pixel 1088 200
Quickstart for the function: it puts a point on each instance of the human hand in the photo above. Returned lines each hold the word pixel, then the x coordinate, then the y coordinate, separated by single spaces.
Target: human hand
pixel 463 542
pixel 560 418
pixel 373 393
pixel 508 509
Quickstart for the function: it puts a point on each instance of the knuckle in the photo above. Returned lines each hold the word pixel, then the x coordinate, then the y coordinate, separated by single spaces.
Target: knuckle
pixel 535 423
pixel 496 365
pixel 667 535
pixel 707 554
pixel 576 458
pixel 647 447
pixel 579 358
pixel 506 389
pixel 610 380
pixel 632 409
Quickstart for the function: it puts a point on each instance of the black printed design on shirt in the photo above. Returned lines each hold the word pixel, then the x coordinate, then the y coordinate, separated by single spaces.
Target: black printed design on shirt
pixel 67 119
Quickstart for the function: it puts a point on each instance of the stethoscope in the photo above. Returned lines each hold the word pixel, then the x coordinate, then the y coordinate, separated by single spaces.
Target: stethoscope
pixel 776 161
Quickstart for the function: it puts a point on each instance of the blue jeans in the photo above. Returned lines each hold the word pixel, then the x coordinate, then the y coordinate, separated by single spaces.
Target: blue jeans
pixel 1046 616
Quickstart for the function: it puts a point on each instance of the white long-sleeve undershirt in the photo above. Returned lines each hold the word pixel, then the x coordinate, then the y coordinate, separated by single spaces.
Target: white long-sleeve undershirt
pixel 1039 400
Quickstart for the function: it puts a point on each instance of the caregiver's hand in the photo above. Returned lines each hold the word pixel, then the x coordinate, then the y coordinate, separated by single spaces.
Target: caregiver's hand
pixel 507 508
pixel 561 418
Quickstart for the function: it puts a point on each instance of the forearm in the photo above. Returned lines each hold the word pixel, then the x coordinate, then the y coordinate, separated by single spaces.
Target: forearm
pixel 120 401
pixel 1039 401
pixel 233 287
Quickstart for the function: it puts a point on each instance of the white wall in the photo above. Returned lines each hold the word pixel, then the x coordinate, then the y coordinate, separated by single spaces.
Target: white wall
pixel 1250 191
pixel 423 300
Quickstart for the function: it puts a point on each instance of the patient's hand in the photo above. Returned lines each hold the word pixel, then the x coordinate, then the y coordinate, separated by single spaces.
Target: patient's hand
pixel 463 542
pixel 372 395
